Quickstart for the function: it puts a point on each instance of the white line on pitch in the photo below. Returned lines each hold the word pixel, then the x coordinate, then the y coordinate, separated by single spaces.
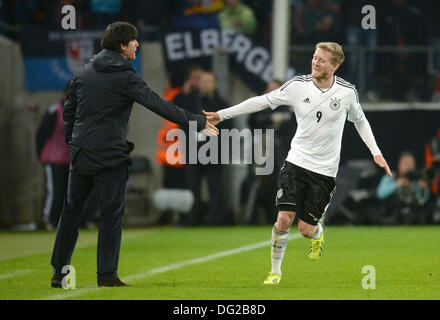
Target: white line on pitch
pixel 13 274
pixel 174 266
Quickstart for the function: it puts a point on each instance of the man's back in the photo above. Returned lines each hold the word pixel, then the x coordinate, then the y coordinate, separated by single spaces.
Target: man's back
pixel 98 107
pixel 99 93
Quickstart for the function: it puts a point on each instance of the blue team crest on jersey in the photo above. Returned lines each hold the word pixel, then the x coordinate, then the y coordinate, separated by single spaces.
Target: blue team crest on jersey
pixel 335 104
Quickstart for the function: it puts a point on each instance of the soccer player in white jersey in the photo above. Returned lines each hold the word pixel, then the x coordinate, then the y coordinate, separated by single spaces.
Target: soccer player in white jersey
pixel 321 102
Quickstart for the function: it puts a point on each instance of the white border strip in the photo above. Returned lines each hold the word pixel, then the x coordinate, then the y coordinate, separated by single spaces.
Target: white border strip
pixel 174 266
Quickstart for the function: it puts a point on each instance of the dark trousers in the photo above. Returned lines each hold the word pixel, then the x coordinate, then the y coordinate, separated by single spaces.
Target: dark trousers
pixel 110 189
pixel 214 213
pixel 174 178
pixel 264 199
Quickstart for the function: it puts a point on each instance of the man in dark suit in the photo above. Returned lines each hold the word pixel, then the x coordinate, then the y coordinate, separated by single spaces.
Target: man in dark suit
pixel 96 113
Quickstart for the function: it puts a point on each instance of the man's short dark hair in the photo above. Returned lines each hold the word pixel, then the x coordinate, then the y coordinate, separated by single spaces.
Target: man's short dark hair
pixel 118 33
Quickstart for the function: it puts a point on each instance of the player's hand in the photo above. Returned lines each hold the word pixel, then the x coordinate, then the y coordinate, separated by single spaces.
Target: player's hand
pixel 381 162
pixel 210 129
pixel 213 117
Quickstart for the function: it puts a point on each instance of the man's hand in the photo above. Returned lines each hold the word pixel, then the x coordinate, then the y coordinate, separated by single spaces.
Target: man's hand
pixel 210 129
pixel 381 162
pixel 213 117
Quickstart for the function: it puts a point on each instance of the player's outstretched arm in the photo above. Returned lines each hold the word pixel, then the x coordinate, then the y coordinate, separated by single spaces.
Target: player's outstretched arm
pixel 248 106
pixel 364 129
pixel 381 162
pixel 252 105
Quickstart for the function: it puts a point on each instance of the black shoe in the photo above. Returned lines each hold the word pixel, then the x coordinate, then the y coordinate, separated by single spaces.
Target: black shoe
pixel 113 283
pixel 56 282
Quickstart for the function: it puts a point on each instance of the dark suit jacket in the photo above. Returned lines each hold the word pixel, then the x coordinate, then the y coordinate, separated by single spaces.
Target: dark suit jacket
pixel 97 109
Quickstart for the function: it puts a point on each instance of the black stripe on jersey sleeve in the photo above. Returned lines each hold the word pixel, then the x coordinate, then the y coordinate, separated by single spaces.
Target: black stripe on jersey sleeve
pixel 286 84
pixel 303 77
pixel 343 81
pixel 346 84
pixel 349 86
pixel 268 99
pixel 297 78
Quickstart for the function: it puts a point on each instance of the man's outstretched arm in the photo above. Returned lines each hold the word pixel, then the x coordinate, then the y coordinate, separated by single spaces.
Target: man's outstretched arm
pixel 364 129
pixel 139 91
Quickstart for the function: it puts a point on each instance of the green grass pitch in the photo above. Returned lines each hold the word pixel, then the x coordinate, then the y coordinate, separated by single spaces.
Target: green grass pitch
pixel 229 263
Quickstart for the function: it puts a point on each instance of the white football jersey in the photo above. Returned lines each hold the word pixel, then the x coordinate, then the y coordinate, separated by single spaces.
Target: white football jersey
pixel 321 116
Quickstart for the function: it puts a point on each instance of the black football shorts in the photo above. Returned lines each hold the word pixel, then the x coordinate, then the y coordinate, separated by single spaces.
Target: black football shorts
pixel 305 192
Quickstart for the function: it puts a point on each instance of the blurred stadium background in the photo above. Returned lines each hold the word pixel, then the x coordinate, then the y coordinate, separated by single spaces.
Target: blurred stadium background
pixel 395 67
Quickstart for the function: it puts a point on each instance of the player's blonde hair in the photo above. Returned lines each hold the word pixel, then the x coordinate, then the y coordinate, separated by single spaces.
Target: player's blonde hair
pixel 335 49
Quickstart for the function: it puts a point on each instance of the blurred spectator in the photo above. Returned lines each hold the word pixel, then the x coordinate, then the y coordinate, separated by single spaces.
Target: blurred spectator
pixel 432 164
pixel 205 98
pixel 197 14
pixel 318 21
pixel 187 98
pixel 405 195
pixel 257 191
pixel 239 17
pixel 54 154
pixel 404 25
pixel 356 36
pixel 191 83
pixel 174 175
pixel 189 91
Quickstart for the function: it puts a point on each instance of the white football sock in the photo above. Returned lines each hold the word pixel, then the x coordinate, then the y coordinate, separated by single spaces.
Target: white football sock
pixel 279 244
pixel 318 232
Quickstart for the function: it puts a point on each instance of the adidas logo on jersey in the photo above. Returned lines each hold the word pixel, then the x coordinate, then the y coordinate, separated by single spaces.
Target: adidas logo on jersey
pixel 306 100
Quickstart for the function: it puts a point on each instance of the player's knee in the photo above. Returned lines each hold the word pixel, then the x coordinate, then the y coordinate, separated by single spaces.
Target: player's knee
pixel 284 220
